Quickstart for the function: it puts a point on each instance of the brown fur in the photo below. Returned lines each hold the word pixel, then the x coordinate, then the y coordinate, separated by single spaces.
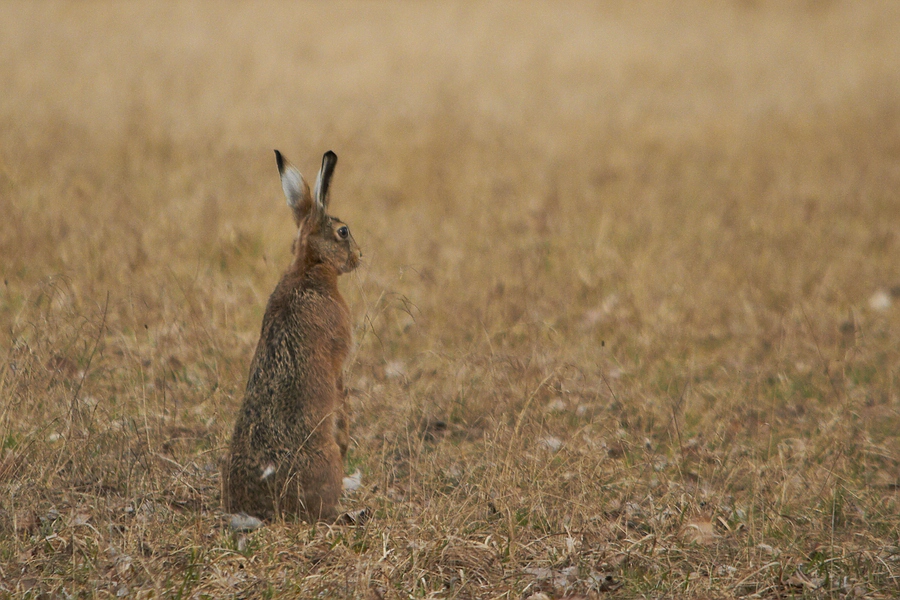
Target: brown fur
pixel 290 438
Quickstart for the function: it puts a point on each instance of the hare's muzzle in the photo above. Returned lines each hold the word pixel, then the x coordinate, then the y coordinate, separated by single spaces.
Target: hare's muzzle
pixel 353 260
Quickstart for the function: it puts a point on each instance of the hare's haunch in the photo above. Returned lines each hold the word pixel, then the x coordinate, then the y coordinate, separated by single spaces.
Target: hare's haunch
pixel 291 435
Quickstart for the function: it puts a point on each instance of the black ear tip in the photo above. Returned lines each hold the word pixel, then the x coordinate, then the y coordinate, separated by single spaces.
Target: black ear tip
pixel 330 157
pixel 280 161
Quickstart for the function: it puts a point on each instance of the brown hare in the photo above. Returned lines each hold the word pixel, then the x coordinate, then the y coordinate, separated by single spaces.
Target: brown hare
pixel 290 438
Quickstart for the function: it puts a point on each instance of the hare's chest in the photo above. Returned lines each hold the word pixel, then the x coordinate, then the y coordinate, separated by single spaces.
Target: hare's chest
pixel 341 337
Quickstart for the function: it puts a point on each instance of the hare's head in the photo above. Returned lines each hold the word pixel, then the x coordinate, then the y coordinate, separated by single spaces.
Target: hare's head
pixel 321 238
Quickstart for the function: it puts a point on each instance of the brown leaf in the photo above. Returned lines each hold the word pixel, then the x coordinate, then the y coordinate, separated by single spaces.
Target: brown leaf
pixel 700 531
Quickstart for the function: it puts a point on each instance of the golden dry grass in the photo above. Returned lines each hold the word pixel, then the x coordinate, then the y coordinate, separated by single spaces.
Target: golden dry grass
pixel 628 322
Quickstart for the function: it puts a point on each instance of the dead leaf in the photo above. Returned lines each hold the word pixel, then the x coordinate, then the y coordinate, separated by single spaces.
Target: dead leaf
pixel 700 531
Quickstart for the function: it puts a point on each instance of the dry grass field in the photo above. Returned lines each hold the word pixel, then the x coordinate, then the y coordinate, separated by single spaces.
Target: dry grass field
pixel 628 323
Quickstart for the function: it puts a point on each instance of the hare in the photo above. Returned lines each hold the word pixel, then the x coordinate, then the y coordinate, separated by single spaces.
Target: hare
pixel 291 436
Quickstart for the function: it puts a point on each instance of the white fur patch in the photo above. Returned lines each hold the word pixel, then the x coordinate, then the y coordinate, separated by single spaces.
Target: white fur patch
pixel 293 185
pixel 353 482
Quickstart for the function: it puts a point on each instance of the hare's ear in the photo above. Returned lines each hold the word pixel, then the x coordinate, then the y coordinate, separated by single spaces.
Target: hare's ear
pixel 323 181
pixel 296 190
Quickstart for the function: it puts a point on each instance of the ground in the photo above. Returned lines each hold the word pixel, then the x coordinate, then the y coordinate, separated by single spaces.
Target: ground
pixel 628 323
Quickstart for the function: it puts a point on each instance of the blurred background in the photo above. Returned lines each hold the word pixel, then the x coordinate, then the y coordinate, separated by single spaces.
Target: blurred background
pixel 579 166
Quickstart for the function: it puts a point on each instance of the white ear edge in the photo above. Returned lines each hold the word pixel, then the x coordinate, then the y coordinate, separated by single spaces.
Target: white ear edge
pixel 323 180
pixel 294 186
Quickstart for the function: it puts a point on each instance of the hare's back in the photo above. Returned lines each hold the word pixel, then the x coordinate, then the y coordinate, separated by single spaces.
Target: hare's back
pixel 299 343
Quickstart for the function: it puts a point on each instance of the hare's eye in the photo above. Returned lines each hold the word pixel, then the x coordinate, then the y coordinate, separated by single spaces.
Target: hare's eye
pixel 343 232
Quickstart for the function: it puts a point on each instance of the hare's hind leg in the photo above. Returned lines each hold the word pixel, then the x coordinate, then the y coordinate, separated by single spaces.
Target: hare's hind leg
pixel 246 488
